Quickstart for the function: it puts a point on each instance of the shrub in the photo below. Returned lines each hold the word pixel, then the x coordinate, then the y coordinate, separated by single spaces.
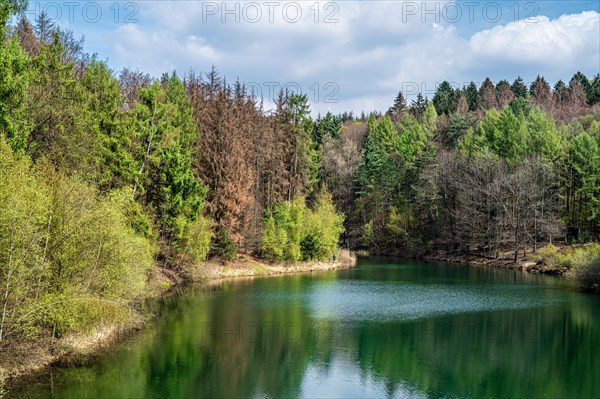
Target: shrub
pixel 293 232
pixel 326 225
pixel 548 254
pixel 583 264
pixel 70 257
pixel 198 238
pixel 283 230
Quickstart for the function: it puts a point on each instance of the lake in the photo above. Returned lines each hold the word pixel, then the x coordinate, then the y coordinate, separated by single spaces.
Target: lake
pixel 384 329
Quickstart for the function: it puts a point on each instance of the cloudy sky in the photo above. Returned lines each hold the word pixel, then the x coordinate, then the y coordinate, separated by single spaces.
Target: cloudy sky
pixel 346 55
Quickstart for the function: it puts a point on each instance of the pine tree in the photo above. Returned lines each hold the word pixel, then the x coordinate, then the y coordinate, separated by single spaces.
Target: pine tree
pixel 585 84
pixel 444 98
pixel 541 94
pixel 488 97
pixel 504 93
pixel 519 88
pixel 595 90
pixel 418 105
pixel 45 27
pixel 15 75
pixel 399 104
pixel 472 95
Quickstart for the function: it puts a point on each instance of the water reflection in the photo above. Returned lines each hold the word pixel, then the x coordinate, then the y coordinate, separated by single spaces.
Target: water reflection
pixel 380 330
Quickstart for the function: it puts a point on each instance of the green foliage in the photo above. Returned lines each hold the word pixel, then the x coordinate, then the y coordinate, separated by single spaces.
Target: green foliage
pixel 326 224
pixel 399 104
pixel 25 209
pixel 198 239
pixel 329 126
pixel 459 125
pixel 548 254
pixel 397 224
pixel 69 256
pixel 418 105
pixel 520 106
pixel 135 215
pixel 167 133
pixel 519 88
pixel 115 165
pixel 472 95
pixel 443 98
pixel 223 246
pixel 583 264
pixel 292 231
pixel 284 230
pixel 14 80
pixel 542 136
pixel 429 120
pixel 367 237
pixel 309 247
pixel 92 241
pixel 585 161
pixel 502 132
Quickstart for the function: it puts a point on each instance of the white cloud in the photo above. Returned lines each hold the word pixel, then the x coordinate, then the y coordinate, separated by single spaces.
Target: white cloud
pixel 565 40
pixel 370 53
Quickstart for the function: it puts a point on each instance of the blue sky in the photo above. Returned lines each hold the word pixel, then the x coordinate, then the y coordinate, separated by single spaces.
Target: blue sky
pixel 346 55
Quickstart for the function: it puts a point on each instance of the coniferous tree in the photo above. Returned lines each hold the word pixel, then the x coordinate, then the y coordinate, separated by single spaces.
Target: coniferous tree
pixel 472 95
pixel 399 104
pixel 519 88
pixel 595 90
pixel 585 84
pixel 15 75
pixel 504 94
pixel 443 98
pixel 488 97
pixel 541 94
pixel 418 105
pixel 45 27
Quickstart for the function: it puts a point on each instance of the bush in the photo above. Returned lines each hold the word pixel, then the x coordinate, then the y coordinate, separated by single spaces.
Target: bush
pixel 548 254
pixel 283 231
pixel 70 257
pixel 583 264
pixel 292 231
pixel 326 225
pixel 133 212
pixel 198 238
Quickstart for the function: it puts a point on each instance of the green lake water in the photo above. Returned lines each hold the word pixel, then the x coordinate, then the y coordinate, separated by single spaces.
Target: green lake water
pixel 385 329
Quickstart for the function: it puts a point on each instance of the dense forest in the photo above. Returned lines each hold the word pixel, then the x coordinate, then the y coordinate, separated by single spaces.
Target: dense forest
pixel 105 176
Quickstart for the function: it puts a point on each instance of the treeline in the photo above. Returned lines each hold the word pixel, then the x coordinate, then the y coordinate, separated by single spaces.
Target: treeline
pixel 477 170
pixel 102 178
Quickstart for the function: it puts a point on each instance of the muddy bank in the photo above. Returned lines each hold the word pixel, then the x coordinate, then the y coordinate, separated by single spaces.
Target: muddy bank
pixel 247 266
pixel 532 262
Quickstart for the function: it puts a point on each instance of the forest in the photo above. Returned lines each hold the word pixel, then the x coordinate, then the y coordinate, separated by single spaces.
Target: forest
pixel 105 176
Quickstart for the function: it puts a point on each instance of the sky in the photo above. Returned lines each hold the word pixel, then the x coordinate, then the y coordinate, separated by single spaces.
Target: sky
pixel 345 55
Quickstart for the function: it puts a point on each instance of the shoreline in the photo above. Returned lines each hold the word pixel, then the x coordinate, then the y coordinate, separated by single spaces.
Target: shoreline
pixel 29 357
